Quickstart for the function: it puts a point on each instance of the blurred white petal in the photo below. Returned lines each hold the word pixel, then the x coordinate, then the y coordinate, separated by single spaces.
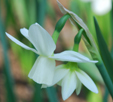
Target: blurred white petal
pixel 79 86
pixel 60 72
pixel 71 56
pixel 87 81
pixel 24 32
pixel 20 43
pixel 42 71
pixel 101 7
pixel 41 40
pixel 68 85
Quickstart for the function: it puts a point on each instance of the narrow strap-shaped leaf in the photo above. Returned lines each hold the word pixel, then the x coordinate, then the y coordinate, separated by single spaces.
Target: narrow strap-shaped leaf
pixel 37 93
pixel 9 82
pixel 9 14
pixel 40 11
pixel 106 94
pixel 105 77
pixel 112 29
pixel 52 94
pixel 104 52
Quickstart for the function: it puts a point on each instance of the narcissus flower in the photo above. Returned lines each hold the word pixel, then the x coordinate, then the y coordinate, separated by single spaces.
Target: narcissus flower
pixel 100 7
pixel 42 71
pixel 70 77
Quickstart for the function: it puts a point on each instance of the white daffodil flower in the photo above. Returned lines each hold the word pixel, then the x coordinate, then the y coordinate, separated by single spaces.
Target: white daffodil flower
pixel 70 77
pixel 42 71
pixel 100 7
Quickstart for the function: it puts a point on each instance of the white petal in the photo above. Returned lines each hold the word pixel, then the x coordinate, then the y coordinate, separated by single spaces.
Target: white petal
pixel 87 81
pixel 24 32
pixel 101 7
pixel 20 43
pixel 42 71
pixel 60 72
pixel 68 85
pixel 71 56
pixel 41 40
pixel 79 86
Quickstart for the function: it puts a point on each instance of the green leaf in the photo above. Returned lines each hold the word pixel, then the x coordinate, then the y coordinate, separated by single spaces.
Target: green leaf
pixel 104 52
pixel 105 76
pixel 106 59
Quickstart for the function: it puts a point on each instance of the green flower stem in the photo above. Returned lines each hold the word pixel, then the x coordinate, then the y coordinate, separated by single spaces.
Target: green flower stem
pixel 76 47
pixel 55 36
pixel 105 77
pixel 77 40
pixel 60 24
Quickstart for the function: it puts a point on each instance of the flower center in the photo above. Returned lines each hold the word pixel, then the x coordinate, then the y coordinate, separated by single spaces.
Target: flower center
pixel 72 66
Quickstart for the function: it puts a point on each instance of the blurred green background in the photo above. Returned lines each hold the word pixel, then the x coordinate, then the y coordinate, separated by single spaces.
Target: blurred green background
pixel 16 62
